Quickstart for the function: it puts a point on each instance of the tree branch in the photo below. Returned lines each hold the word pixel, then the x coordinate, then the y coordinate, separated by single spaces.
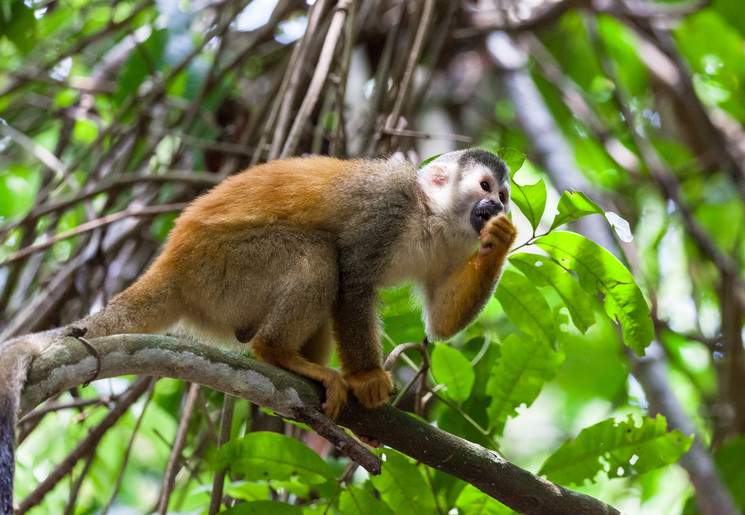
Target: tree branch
pixel 69 363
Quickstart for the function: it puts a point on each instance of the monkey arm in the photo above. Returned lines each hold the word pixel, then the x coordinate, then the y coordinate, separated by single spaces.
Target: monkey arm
pixel 453 303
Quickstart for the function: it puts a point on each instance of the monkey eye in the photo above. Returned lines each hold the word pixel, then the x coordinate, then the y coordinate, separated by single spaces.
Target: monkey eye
pixel 485 186
pixel 502 197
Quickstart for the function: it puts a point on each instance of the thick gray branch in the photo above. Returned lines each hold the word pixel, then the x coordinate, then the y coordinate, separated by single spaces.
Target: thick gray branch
pixel 70 363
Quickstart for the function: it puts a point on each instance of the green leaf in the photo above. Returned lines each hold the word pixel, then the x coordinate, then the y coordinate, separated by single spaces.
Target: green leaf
pixel 518 377
pixel 544 272
pixel 597 269
pixel 574 205
pixel 264 455
pixel 18 24
pixel 514 159
pixel 451 368
pixel 619 449
pixel 263 507
pixel 531 199
pixel 355 501
pixel 85 131
pixel 526 307
pixel 428 161
pixel 401 485
pixel 473 501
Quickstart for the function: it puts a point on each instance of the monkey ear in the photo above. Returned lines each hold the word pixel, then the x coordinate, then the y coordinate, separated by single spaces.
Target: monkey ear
pixel 437 174
pixel 436 180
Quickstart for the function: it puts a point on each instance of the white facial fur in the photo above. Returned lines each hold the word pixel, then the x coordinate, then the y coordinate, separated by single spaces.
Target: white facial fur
pixel 452 191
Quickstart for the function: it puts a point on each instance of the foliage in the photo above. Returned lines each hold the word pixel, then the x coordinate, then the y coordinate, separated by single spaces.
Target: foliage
pixel 631 120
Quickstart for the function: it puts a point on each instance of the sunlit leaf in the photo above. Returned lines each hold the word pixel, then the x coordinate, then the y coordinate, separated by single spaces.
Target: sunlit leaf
pixel 265 455
pixel 428 161
pixel 526 307
pixel 544 272
pixel 531 199
pixel 518 377
pixel 574 205
pixel 598 270
pixel 356 501
pixel 401 485
pixel 451 368
pixel 514 159
pixel 473 501
pixel 618 448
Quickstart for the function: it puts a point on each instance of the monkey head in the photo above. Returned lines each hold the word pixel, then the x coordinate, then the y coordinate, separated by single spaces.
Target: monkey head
pixel 466 188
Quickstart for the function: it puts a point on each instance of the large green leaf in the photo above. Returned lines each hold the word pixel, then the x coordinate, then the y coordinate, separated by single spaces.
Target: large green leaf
pixel 526 307
pixel 598 270
pixel 514 159
pixel 473 501
pixel 544 272
pixel 402 486
pixel 574 205
pixel 264 455
pixel 531 199
pixel 356 501
pixel 518 377
pixel 18 24
pixel 619 449
pixel 451 368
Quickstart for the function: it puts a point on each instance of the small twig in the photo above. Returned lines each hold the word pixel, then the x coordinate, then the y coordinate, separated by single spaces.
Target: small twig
pixel 94 224
pixel 285 100
pixel 52 406
pixel 75 487
pixel 427 135
pixel 38 151
pixel 342 441
pixel 86 445
pixel 319 77
pixel 178 446
pixel 226 420
pixel 128 451
pixel 403 91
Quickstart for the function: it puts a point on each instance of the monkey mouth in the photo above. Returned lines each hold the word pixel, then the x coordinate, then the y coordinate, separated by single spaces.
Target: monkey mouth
pixel 481 213
pixel 479 219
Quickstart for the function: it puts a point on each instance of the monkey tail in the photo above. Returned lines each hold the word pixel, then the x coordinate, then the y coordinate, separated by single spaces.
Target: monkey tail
pixel 15 356
pixel 149 306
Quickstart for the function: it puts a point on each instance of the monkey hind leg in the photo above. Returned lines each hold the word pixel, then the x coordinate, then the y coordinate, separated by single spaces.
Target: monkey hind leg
pixel 149 306
pixel 318 348
pixel 336 387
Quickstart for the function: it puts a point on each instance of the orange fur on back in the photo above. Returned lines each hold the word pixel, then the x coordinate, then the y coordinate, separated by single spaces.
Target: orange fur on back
pixel 297 191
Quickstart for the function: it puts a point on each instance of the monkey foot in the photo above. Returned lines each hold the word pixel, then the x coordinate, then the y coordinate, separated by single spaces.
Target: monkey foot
pixel 336 394
pixel 371 388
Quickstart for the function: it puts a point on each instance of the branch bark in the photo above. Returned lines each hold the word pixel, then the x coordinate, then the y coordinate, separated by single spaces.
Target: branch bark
pixel 70 363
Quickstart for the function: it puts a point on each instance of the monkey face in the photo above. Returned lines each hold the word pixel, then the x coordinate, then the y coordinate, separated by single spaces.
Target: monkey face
pixel 482 211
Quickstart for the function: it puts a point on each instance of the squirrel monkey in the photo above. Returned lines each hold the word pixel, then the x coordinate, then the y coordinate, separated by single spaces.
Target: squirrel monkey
pixel 288 256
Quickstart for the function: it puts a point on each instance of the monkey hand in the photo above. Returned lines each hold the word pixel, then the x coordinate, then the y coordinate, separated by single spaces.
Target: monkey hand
pixel 372 388
pixel 499 234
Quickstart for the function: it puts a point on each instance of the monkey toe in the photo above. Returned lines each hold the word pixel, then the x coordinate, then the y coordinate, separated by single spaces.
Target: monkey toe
pixel 336 394
pixel 371 388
